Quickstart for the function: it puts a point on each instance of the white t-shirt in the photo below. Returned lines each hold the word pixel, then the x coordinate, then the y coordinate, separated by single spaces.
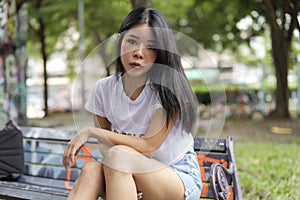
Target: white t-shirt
pixel 132 117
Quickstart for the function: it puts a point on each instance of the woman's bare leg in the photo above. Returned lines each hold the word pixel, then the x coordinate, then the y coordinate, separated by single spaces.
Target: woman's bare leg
pixel 119 185
pixel 157 183
pixel 163 184
pixel 90 184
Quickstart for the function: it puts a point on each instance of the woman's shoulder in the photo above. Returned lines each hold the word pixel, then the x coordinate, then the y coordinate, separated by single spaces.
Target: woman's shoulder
pixel 107 81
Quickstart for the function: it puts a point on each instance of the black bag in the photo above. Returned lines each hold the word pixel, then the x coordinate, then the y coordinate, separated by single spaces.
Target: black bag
pixel 11 152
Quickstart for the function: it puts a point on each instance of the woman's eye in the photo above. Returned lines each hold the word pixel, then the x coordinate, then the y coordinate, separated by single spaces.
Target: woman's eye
pixel 151 48
pixel 131 41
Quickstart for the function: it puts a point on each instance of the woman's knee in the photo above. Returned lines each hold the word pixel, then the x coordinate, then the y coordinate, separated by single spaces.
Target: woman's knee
pixel 92 169
pixel 120 158
pixel 127 160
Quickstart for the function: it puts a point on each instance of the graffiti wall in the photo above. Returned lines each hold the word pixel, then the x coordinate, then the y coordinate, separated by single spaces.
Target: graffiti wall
pixel 13 35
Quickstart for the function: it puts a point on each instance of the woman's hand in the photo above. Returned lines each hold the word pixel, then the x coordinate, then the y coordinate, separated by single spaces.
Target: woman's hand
pixel 74 146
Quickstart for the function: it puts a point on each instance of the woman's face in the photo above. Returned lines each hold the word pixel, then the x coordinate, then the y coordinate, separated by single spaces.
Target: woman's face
pixel 138 51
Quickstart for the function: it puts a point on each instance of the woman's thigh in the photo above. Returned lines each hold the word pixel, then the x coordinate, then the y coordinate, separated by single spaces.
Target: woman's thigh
pixel 154 179
pixel 161 184
pixel 165 181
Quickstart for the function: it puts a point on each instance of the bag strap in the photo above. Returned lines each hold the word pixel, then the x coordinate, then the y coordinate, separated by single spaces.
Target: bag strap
pixel 10 125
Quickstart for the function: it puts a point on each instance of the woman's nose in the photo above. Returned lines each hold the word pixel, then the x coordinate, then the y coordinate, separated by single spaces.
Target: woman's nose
pixel 138 53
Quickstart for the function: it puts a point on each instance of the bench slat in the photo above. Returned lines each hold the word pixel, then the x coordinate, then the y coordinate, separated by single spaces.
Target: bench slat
pixel 210 145
pixel 59 185
pixel 51 172
pixel 32 189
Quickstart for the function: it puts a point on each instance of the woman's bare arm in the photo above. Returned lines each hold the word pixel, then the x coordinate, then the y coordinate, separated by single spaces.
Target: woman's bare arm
pixel 156 134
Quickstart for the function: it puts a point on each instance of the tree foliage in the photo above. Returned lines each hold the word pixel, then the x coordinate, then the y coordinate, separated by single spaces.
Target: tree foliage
pixel 56 17
pixel 53 26
pixel 44 32
pixel 217 24
pixel 227 24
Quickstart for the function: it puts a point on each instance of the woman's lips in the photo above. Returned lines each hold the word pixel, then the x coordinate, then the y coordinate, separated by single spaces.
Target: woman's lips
pixel 135 65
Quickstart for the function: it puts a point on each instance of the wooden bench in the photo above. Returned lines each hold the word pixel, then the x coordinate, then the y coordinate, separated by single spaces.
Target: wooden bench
pixel 45 177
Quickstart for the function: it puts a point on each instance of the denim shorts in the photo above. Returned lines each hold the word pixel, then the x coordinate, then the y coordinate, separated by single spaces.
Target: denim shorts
pixel 188 170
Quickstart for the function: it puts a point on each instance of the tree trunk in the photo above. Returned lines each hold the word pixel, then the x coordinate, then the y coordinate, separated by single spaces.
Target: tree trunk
pixel 42 38
pixel 141 3
pixel 281 43
pixel 280 53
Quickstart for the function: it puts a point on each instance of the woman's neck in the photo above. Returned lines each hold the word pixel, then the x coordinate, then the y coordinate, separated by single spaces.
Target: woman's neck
pixel 133 86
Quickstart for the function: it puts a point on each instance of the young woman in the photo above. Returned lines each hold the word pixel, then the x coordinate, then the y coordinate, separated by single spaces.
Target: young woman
pixel 144 117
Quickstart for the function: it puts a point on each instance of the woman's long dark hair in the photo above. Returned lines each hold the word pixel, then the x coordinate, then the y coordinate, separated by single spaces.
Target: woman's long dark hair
pixel 166 75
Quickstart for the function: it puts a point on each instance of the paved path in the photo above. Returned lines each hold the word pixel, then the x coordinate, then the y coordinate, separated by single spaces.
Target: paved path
pixel 64 121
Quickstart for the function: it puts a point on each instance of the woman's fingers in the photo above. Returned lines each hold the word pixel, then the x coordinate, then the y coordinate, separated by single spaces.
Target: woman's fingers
pixel 73 147
pixel 68 157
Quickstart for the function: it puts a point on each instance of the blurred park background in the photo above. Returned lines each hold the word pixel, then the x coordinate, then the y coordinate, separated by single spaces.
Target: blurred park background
pixel 243 64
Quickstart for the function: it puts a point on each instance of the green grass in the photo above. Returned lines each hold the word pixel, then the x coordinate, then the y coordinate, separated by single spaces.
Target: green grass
pixel 269 170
